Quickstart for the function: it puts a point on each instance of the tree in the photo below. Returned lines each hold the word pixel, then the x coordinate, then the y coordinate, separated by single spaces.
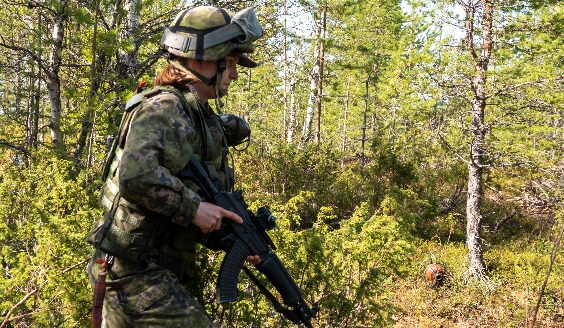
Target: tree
pixel 52 19
pixel 477 12
pixel 313 108
pixel 484 72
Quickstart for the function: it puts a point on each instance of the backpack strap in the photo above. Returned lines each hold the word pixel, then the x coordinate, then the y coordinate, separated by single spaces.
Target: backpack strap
pixel 135 100
pixel 191 102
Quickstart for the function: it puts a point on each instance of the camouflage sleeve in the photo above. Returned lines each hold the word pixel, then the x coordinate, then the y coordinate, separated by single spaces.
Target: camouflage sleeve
pixel 158 146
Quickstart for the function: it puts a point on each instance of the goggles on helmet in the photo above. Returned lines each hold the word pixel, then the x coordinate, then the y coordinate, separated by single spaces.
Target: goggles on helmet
pixel 243 28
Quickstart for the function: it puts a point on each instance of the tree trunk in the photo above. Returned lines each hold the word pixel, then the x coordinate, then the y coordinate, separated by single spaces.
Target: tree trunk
pixel 127 60
pixel 310 109
pixel 292 113
pixel 52 77
pixel 479 130
pixel 285 44
pixel 345 118
pixel 32 120
pixel 315 80
pixel 87 119
pixel 363 141
pixel 473 212
pixel 321 57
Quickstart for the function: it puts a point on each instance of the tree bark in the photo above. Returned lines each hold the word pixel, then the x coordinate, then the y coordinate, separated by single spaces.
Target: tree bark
pixel 127 60
pixel 52 76
pixel 87 119
pixel 285 44
pixel 292 113
pixel 363 141
pixel 321 57
pixel 32 120
pixel 315 81
pixel 310 109
pixel 477 268
pixel 345 118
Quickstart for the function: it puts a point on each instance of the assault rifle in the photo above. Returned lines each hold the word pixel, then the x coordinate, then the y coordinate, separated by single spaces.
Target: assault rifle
pixel 249 238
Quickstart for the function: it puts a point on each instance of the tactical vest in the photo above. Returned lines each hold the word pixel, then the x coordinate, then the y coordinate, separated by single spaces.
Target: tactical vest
pixel 134 232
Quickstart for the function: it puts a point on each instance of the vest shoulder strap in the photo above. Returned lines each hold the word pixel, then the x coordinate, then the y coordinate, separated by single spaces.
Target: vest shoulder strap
pixel 135 100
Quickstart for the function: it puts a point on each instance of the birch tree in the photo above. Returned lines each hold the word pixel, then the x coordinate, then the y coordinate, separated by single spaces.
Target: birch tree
pixel 52 18
pixel 52 69
pixel 316 76
pixel 127 65
pixel 127 54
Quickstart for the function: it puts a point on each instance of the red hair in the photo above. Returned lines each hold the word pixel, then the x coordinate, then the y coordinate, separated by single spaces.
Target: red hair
pixel 174 77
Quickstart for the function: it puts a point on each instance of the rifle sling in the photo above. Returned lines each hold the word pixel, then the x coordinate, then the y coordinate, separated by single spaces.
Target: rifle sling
pixel 277 306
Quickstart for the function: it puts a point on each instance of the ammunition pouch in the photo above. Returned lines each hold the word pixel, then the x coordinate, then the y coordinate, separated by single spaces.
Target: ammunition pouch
pixel 177 252
pixel 127 231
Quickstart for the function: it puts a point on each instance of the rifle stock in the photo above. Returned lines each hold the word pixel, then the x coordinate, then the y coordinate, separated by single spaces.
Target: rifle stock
pixel 249 238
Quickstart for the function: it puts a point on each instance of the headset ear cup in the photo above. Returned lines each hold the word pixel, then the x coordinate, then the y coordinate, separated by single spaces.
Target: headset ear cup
pixel 236 129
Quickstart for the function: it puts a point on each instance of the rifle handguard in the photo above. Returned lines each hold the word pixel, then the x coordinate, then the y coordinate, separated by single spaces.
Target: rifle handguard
pixel 279 277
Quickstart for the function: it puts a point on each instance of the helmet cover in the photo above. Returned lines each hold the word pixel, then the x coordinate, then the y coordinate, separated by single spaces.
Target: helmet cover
pixel 200 33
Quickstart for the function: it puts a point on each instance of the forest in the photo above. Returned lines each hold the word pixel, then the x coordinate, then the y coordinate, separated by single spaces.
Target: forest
pixel 387 136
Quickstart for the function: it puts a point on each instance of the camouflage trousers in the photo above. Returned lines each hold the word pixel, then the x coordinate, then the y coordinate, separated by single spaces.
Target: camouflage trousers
pixel 144 294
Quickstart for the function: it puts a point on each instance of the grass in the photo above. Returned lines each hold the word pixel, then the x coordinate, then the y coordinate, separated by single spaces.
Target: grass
pixel 516 272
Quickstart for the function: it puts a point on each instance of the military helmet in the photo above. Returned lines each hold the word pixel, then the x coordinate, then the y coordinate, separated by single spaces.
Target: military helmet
pixel 210 33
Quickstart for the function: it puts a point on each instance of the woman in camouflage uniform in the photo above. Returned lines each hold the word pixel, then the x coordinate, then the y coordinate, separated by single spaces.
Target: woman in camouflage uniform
pixel 152 214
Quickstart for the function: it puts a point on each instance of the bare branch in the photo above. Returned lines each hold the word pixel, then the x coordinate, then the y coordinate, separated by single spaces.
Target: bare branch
pixel 442 139
pixel 13 46
pixel 18 148
pixel 23 300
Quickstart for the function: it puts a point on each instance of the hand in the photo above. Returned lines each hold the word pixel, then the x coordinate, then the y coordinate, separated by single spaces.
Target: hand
pixel 254 259
pixel 208 217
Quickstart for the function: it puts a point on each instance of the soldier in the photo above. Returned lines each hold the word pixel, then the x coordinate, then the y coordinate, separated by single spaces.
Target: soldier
pixel 146 238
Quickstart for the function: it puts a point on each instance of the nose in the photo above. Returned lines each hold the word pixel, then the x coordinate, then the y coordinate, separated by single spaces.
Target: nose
pixel 233 73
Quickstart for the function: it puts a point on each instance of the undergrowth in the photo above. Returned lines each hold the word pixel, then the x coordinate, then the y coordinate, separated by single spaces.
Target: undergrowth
pixel 517 271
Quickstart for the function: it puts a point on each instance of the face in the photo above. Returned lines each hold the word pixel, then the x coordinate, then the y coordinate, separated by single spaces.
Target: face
pixel 230 74
pixel 209 69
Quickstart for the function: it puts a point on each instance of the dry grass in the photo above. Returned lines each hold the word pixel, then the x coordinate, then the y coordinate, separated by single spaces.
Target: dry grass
pixel 516 276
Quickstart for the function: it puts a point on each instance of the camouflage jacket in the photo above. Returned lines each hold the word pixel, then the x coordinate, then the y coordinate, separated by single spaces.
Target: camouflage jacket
pixel 159 145
pixel 142 194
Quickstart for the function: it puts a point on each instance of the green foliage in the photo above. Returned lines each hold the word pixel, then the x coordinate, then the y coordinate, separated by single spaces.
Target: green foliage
pixel 348 272
pixel 46 210
pixel 359 212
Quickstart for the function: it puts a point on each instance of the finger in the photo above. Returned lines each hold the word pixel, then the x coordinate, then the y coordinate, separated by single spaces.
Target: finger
pixel 217 225
pixel 254 259
pixel 207 229
pixel 233 216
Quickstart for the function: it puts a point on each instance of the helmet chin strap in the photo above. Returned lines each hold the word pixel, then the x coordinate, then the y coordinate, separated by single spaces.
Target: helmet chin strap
pixel 221 66
pixel 216 80
pixel 205 80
